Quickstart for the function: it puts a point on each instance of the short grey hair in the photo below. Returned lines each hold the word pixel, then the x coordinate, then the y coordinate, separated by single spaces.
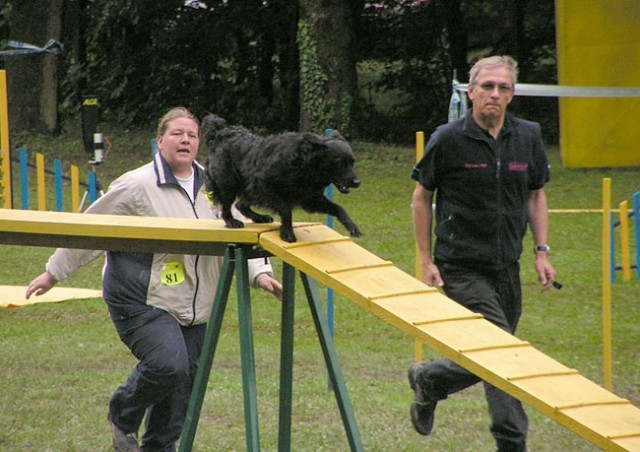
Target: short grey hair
pixel 494 62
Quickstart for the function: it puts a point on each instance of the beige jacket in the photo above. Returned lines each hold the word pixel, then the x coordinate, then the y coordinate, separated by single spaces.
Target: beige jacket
pixel 182 285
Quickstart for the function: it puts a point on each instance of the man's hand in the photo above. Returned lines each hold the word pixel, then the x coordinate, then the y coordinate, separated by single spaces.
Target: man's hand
pixel 431 275
pixel 546 273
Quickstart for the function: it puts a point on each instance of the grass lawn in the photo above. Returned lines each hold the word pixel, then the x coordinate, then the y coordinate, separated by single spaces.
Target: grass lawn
pixel 60 362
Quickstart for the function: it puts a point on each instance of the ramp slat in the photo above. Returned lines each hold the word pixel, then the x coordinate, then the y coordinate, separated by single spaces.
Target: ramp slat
pixel 468 334
pixel 420 309
pixel 609 421
pixel 362 267
pixel 517 363
pixel 450 319
pixel 563 390
pixel 631 442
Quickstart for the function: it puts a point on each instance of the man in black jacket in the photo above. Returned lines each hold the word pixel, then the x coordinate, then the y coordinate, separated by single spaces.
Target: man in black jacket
pixel 488 170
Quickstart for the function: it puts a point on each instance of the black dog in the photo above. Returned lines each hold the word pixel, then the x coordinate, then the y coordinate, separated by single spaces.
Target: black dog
pixel 276 172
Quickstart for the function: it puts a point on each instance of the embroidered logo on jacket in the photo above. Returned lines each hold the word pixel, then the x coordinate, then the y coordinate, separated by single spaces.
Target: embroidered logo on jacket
pixel 518 166
pixel 476 165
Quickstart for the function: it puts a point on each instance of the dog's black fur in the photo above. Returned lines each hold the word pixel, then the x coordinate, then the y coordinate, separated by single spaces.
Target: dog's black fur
pixel 276 172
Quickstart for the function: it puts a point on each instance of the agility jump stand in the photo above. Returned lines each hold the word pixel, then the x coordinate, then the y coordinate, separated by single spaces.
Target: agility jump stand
pixel 6 184
pixel 59 180
pixel 609 267
pixel 236 260
pixel 623 224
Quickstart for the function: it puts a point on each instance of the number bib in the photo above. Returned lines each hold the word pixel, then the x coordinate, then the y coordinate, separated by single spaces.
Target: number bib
pixel 172 274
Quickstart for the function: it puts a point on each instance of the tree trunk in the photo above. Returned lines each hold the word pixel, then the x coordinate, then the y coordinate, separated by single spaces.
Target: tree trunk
pixel 289 62
pixel 517 38
pixel 454 20
pixel 329 81
pixel 32 81
pixel 74 37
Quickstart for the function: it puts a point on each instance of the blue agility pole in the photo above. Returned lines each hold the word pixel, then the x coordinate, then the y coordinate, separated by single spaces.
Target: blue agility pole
pixel 154 148
pixel 93 187
pixel 24 179
pixel 636 213
pixel 57 169
pixel 330 308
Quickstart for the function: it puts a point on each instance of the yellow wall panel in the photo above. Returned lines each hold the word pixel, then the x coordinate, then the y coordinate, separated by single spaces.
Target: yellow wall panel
pixel 598 44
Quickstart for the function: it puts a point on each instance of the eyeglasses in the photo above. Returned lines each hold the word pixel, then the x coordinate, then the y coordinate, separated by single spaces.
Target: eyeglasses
pixel 490 86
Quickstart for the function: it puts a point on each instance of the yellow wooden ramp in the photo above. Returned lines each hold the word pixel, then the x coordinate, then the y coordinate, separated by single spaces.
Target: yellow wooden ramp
pixel 503 360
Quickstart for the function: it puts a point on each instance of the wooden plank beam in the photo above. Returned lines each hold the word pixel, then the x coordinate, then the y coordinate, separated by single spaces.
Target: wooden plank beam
pixel 123 233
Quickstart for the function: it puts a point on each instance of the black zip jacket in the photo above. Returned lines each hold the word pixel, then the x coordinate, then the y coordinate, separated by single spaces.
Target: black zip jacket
pixel 482 187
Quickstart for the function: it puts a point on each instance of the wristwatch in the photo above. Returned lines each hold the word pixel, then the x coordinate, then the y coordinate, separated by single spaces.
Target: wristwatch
pixel 545 248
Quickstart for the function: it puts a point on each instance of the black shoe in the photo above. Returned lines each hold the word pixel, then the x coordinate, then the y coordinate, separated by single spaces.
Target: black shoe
pixel 123 442
pixel 422 410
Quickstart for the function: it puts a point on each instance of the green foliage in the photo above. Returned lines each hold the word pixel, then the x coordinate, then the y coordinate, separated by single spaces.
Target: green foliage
pixel 405 63
pixel 324 105
pixel 5 16
pixel 240 60
pixel 313 81
pixel 409 46
pixel 344 113
pixel 143 59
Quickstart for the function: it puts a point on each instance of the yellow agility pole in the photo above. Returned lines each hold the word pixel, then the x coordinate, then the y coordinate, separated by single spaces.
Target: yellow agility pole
pixel 606 282
pixel 5 156
pixel 577 210
pixel 40 171
pixel 624 241
pixel 75 189
pixel 419 152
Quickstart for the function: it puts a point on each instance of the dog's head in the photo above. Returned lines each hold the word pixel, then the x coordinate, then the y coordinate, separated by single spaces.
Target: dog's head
pixel 210 126
pixel 337 163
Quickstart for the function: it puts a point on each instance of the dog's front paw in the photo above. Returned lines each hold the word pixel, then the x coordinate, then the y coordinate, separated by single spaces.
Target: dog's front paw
pixel 355 231
pixel 233 223
pixel 287 235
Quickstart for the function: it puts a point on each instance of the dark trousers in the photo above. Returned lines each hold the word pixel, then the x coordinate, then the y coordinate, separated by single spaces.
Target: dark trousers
pixel 160 384
pixel 497 295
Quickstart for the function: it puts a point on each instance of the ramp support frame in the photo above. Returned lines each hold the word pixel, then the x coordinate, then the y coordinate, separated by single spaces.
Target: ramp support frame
pixel 235 261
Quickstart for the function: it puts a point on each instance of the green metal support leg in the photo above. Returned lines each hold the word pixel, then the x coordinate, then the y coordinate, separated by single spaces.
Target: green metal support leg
pixel 333 366
pixel 247 353
pixel 208 351
pixel 286 357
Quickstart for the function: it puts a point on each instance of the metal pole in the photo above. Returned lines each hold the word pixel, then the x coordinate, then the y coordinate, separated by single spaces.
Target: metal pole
pixel 286 357
pixel 419 152
pixel 247 357
pixel 636 213
pixel 208 351
pixel 333 366
pixel 606 281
